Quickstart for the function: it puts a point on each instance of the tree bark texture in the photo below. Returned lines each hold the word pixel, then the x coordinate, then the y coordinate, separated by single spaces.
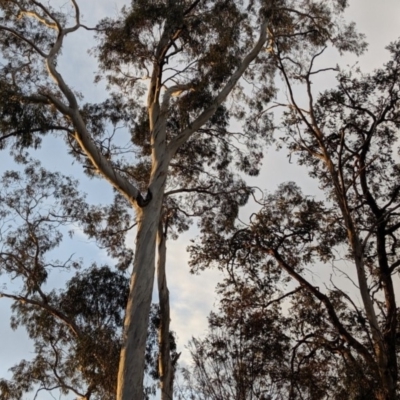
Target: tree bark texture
pixel 132 358
pixel 131 367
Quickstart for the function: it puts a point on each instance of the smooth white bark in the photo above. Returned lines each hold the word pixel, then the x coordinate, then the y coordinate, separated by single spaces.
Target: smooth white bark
pixel 131 366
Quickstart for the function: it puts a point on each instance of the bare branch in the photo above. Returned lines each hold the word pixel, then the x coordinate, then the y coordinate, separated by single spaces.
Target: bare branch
pixel 350 339
pixel 44 21
pixel 49 14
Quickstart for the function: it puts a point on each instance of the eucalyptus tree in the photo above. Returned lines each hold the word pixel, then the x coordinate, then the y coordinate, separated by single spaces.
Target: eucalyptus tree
pixel 191 63
pixel 246 352
pixel 348 138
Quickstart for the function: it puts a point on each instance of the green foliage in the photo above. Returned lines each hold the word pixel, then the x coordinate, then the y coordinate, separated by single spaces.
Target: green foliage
pixel 171 42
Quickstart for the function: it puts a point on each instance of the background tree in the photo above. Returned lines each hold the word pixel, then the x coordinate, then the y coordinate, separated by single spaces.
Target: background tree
pixel 287 343
pixel 347 139
pixel 245 352
pixel 360 173
pixel 184 51
pixel 76 335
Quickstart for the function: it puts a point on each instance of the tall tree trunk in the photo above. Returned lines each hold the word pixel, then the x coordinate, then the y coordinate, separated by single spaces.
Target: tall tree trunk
pixel 164 360
pixel 132 361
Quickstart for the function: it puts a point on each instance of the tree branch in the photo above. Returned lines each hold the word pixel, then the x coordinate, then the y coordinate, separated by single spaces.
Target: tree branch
pixel 175 143
pixel 328 305
pixel 24 39
pixel 56 313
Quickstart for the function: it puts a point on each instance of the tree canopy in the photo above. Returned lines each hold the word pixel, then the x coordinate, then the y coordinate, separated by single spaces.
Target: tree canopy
pixel 335 347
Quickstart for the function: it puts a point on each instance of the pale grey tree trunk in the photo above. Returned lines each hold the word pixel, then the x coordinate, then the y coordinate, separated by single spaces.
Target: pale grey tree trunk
pixel 130 375
pixel 132 358
pixel 131 367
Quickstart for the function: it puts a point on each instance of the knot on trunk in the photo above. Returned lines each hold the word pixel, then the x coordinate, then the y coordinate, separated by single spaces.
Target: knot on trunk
pixel 144 201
